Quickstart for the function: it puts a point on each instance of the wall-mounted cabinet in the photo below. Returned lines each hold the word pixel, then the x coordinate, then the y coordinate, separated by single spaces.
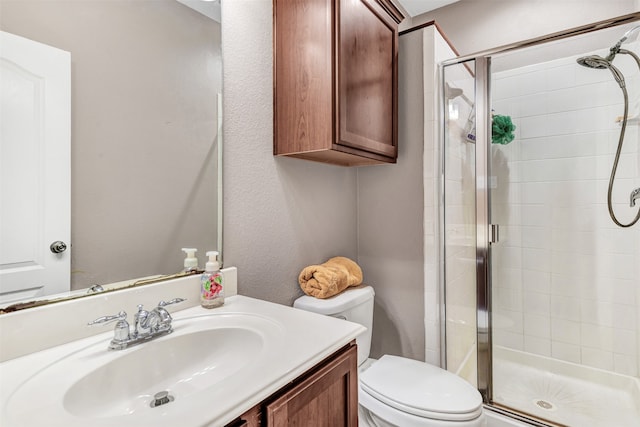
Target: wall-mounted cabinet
pixel 336 80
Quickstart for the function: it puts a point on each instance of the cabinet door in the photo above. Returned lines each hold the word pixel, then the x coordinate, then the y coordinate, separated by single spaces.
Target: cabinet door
pixel 302 76
pixel 367 45
pixel 327 398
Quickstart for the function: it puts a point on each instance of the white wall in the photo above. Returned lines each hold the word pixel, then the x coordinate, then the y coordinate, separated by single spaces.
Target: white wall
pixel 280 214
pixel 565 277
pixel 435 49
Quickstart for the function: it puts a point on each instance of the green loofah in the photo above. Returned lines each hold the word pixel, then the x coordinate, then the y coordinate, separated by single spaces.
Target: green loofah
pixel 502 130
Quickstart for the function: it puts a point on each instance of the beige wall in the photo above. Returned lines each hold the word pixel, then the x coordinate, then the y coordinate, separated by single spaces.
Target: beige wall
pixel 474 25
pixel 144 82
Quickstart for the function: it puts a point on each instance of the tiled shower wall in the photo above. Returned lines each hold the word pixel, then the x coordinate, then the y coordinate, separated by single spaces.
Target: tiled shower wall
pixel 435 50
pixel 566 280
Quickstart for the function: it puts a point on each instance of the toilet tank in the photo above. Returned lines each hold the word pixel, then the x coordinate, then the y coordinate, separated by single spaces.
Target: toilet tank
pixel 354 304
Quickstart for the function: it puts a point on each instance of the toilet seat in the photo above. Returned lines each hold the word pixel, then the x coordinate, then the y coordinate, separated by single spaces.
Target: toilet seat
pixel 420 389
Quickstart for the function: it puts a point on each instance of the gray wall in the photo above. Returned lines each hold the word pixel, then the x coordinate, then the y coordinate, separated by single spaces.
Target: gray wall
pixel 474 25
pixel 144 82
pixel 283 214
pixel 390 220
pixel 280 214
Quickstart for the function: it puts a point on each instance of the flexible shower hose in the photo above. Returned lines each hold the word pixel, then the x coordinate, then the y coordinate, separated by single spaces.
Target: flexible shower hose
pixel 619 150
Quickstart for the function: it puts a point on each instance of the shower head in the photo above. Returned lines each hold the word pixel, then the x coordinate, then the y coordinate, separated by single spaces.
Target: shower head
pixel 593 61
pixel 599 63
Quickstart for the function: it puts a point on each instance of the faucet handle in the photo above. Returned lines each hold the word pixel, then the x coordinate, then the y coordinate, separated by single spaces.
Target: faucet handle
pixel 173 301
pixel 108 319
pixel 121 333
pixel 164 318
pixel 141 321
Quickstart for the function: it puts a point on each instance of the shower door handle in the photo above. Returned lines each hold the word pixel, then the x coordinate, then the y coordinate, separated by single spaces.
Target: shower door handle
pixel 494 233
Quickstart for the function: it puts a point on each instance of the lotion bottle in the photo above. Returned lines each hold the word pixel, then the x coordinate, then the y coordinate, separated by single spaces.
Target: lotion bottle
pixel 190 262
pixel 211 286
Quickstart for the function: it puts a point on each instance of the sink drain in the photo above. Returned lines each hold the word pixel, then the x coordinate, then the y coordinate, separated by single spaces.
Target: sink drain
pixel 161 398
pixel 544 405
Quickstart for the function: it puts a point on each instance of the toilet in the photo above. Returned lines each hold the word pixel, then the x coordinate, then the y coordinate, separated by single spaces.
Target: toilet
pixel 396 391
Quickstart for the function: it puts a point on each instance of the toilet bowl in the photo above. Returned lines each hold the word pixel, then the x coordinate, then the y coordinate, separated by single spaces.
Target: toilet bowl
pixel 397 391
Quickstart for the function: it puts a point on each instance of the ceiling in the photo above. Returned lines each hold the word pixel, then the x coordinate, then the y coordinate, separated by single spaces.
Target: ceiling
pixel 417 7
pixel 211 8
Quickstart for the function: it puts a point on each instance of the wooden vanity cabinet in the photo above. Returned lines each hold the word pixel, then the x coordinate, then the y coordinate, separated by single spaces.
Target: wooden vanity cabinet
pixel 336 80
pixel 327 395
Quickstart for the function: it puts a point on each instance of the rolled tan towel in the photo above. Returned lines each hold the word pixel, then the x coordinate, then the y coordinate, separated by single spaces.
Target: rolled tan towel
pixel 331 278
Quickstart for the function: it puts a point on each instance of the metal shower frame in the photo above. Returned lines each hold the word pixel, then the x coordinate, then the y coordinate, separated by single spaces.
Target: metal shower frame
pixel 484 229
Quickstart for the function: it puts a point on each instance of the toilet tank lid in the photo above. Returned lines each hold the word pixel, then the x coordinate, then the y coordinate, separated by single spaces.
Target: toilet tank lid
pixel 345 300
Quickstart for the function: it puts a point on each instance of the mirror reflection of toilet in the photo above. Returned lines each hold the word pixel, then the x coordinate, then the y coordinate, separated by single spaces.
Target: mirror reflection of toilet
pixel 396 391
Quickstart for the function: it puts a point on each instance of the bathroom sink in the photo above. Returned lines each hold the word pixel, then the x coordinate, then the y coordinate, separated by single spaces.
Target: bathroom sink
pixel 214 366
pixel 182 365
pixel 206 356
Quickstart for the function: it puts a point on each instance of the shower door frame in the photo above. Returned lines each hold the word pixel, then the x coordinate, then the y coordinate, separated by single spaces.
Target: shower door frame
pixel 485 232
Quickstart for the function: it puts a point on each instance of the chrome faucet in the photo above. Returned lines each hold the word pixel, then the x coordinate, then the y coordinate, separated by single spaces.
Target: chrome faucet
pixel 147 325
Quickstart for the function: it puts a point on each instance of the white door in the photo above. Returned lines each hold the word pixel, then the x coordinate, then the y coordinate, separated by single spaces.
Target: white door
pixel 35 168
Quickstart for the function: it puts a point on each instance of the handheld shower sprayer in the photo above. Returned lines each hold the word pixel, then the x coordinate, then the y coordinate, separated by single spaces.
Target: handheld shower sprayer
pixel 598 62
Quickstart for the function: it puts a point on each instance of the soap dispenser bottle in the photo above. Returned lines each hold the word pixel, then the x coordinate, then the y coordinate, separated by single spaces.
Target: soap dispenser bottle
pixel 190 262
pixel 211 286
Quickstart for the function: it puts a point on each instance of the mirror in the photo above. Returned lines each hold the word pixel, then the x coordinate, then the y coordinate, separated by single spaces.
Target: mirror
pixel 146 79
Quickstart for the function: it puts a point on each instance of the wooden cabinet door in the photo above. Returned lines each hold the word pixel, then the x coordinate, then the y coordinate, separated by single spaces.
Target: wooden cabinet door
pixel 367 44
pixel 327 398
pixel 303 79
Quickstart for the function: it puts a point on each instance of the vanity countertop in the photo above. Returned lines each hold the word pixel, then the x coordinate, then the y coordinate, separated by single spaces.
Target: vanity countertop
pixel 300 341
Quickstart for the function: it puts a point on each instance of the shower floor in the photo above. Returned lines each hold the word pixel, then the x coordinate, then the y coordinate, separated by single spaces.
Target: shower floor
pixel 565 393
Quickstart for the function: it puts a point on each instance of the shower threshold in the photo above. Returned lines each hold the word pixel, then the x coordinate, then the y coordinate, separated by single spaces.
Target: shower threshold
pixel 563 392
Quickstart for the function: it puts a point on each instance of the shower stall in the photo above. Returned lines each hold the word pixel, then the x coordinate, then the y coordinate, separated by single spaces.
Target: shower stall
pixel 540 238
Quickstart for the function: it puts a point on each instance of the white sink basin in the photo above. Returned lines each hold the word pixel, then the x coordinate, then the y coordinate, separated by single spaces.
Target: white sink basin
pixel 204 353
pixel 216 365
pixel 181 364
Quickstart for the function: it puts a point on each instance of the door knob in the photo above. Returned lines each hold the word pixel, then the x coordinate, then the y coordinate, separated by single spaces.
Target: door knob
pixel 58 247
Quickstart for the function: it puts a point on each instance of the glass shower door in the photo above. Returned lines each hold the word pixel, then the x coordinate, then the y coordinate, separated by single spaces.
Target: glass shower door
pixel 565 291
pixel 545 319
pixel 458 219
